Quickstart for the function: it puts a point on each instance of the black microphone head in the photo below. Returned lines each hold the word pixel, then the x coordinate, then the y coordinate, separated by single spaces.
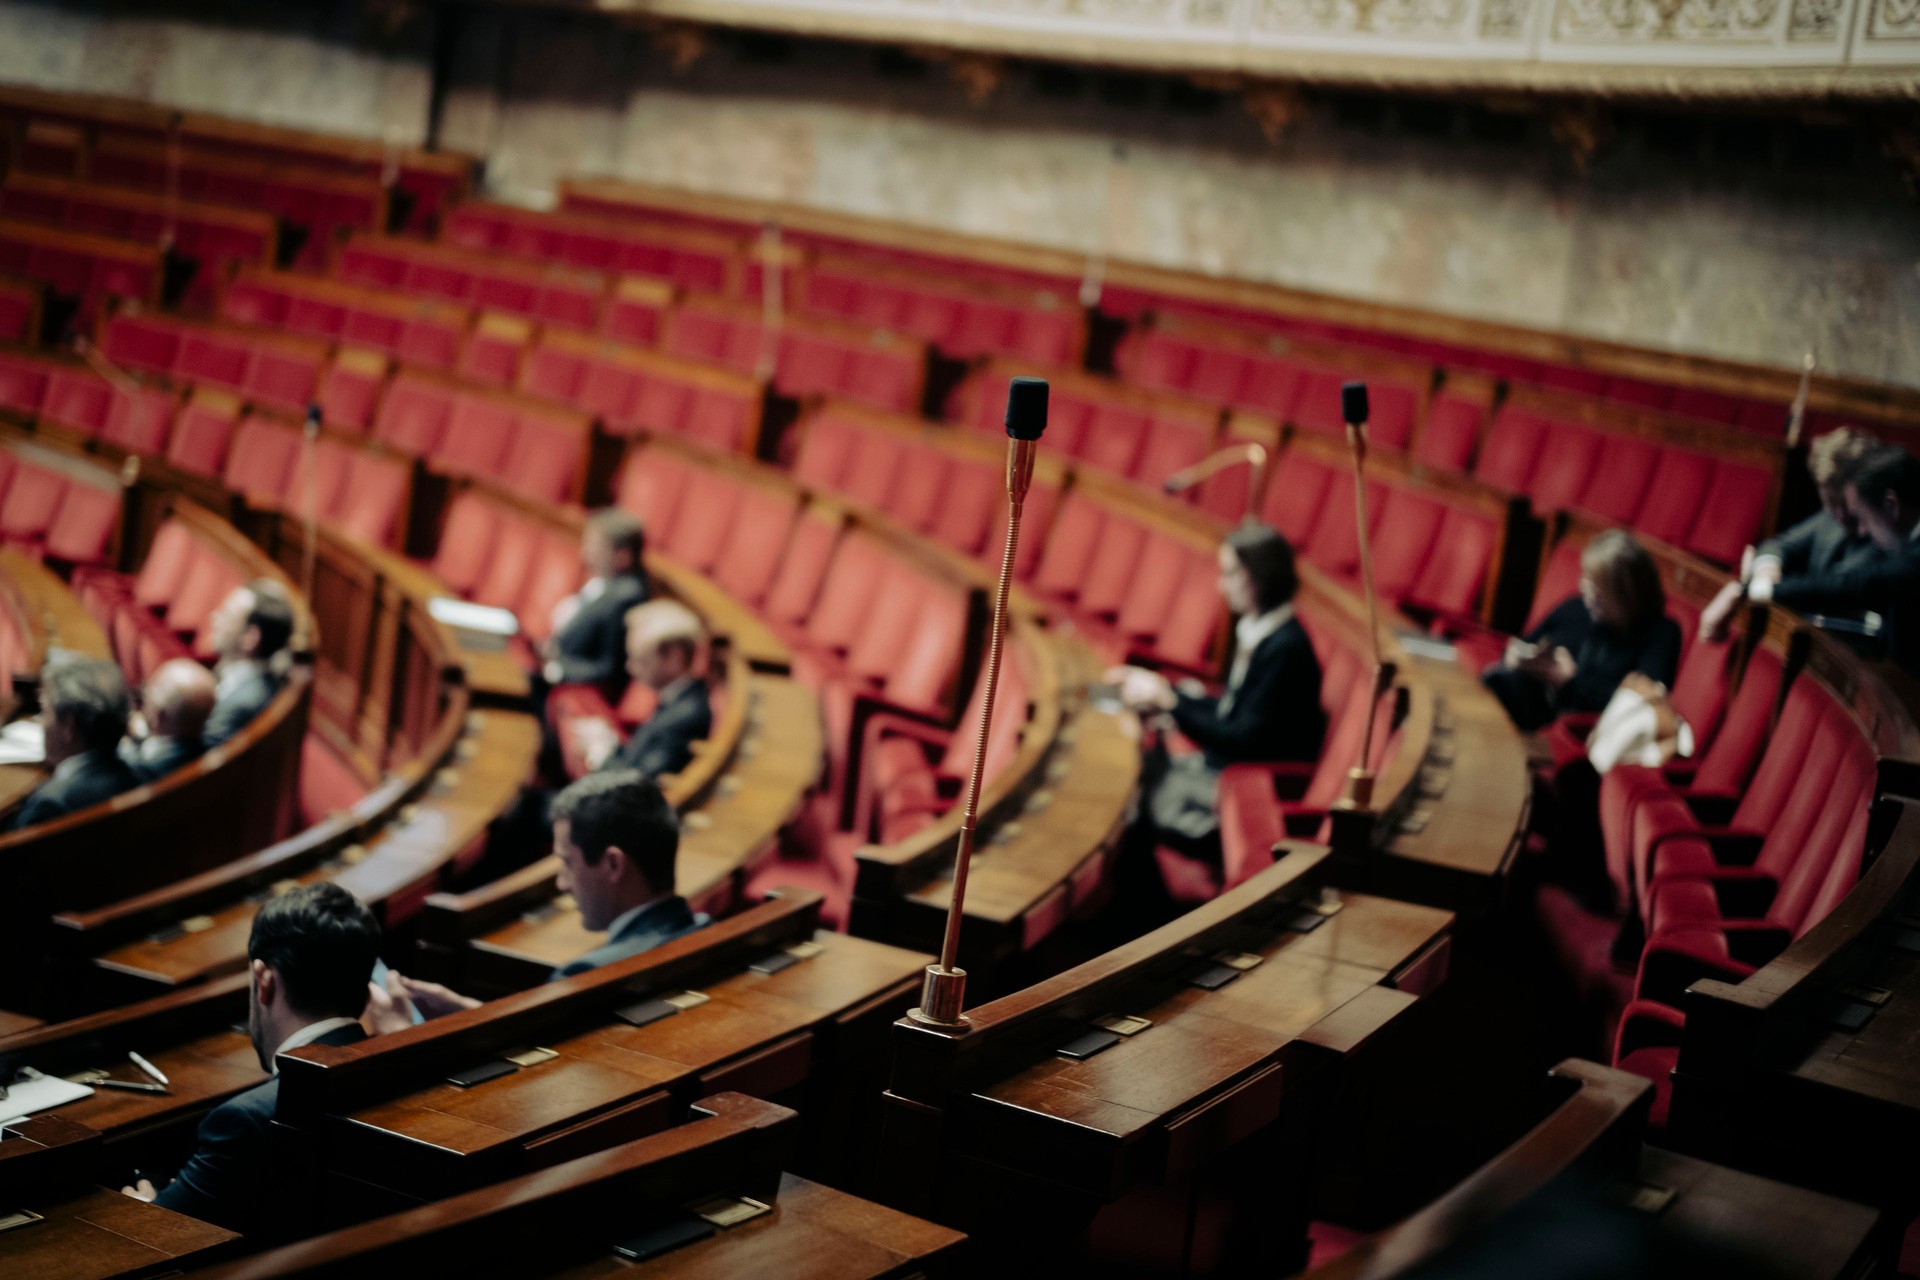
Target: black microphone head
pixel 1353 401
pixel 313 414
pixel 1026 408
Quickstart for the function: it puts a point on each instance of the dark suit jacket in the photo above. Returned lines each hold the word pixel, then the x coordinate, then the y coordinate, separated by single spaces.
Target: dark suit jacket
pixel 103 776
pixel 592 647
pixel 1888 584
pixel 1818 544
pixel 664 744
pixel 230 1180
pixel 235 709
pixel 1275 714
pixel 1602 656
pixel 174 754
pixel 657 922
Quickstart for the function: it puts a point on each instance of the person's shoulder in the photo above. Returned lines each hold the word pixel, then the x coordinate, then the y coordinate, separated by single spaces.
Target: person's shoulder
pixel 245 1112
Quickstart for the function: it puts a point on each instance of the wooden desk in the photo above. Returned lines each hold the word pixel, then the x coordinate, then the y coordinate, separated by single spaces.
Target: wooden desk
pixel 393 869
pixel 389 1121
pixel 1585 1161
pixel 86 1232
pixel 507 935
pixel 190 1035
pixel 565 1221
pixel 990 1129
pixel 52 616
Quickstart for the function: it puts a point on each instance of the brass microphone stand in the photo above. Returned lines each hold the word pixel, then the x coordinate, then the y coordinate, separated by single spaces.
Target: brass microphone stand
pixel 944 993
pixel 1354 409
pixel 1250 452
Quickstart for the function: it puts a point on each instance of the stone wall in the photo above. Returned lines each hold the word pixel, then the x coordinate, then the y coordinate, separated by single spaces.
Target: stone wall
pixel 1712 237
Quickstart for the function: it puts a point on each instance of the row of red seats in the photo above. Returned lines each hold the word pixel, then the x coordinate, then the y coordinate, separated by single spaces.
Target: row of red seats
pixel 211 236
pixel 89 269
pixel 1296 389
pixel 267 368
pixel 963 320
pixel 809 357
pixel 162 611
pixel 1752 414
pixel 19 310
pixel 1709 503
pixel 559 296
pixel 54 512
pixel 79 401
pixel 1141 435
pixel 531 446
pixel 349 487
pixel 632 390
pixel 412 330
pixel 701 261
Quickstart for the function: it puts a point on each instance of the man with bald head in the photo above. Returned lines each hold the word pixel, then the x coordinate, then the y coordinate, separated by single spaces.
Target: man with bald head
pixel 665 644
pixel 179 698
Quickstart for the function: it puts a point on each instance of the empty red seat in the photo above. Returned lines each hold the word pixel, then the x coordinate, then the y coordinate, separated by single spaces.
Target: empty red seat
pixel 1511 449
pixel 493 350
pixel 413 415
pixel 762 522
pixel 1299 488
pixel 503 577
pixel 466 542
pixel 81 531
pixel 1453 580
pixel 23 382
pixel 32 497
pixel 349 389
pixel 1620 475
pixel 651 487
pixel 554 575
pixel 1675 494
pixel 1452 430
pixel 1732 513
pixel 373 499
pixel 76 399
pixel 1070 545
pixel 795 586
pixel 140 421
pixel 261 459
pixel 971 497
pixel 1564 467
pixel 1405 538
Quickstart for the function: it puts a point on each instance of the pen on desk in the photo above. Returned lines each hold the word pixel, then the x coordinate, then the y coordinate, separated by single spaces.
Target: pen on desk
pixel 148 1067
pixel 132 1086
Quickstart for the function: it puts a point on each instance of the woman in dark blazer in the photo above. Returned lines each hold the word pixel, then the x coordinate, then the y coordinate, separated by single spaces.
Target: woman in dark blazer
pixel 1577 656
pixel 1270 709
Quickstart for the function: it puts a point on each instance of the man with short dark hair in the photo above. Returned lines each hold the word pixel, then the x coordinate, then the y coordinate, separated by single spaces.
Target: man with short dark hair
pixel 617 840
pixel 83 714
pixel 249 631
pixel 1883 495
pixel 179 698
pixel 587 642
pixel 310 956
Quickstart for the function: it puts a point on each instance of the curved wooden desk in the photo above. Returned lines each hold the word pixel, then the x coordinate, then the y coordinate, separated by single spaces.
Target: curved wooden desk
pixel 44 615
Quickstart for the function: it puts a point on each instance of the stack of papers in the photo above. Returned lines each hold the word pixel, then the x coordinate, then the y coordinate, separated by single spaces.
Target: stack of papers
pixel 22 742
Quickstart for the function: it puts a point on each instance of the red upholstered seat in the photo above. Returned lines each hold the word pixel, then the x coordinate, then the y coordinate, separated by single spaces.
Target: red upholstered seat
pixel 503 578
pixel 1454 577
pixel 1110 572
pixel 872 468
pixel 1451 432
pixel 261 460
pixel 1070 546
pixel 1564 467
pixel 651 487
pixel 77 399
pixel 23 382
pixel 466 542
pixel 413 415
pixel 493 350
pixel 1405 538
pixel 1511 451
pixel 706 518
pixel 208 580
pixel 826 450
pixel 761 524
pixel 83 527
pixel 169 556
pixel 555 574
pixel 1675 494
pixel 840 610
pixel 1616 486
pixel 32 497
pixel 802 568
pixel 1335 545
pixel 370 503
pixel 1299 488
pixel 971 499
pixel 545 456
pixel 1732 513
pixel 140 421
pixel 475 437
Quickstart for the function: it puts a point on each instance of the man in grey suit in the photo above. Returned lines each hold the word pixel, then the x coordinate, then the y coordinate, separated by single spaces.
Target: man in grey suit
pixel 310 956
pixel 588 643
pixel 617 840
pixel 665 648
pixel 179 698
pixel 83 713
pixel 249 630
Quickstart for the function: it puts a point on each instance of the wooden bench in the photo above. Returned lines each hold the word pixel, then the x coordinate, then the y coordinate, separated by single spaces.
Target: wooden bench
pixel 83 270
pixel 1212 1096
pixel 381 1114
pixel 569 1221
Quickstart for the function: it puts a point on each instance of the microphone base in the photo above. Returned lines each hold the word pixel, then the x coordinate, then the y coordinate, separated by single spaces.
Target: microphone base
pixel 942 996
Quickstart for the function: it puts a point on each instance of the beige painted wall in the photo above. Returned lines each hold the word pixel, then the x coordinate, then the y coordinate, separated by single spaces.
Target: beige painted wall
pixel 1751 262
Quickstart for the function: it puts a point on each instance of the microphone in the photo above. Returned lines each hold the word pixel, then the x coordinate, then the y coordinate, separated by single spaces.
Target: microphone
pixel 943 995
pixel 1354 409
pixel 1250 452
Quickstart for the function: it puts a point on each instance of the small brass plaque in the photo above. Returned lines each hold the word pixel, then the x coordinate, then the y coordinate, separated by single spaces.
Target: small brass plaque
pixel 687 999
pixel 1241 960
pixel 1123 1024
pixel 531 1057
pixel 196 924
pixel 805 950
pixel 729 1211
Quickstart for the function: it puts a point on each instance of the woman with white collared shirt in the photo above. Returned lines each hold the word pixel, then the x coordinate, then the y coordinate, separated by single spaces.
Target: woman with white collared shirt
pixel 1269 711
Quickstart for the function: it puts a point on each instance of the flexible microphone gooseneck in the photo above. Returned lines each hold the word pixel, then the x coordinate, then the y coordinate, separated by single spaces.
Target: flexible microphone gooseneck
pixel 944 993
pixel 1354 410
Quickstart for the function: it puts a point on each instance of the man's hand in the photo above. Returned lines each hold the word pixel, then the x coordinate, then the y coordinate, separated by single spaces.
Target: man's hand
pixel 141 1190
pixel 1717 617
pixel 430 998
pixel 388 1008
pixel 596 739
pixel 1141 690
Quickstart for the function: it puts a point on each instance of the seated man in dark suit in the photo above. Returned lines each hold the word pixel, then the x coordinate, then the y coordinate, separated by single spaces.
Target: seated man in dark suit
pixel 588 643
pixel 1883 492
pixel 83 712
pixel 665 643
pixel 179 698
pixel 1270 709
pixel 250 631
pixel 617 840
pixel 1828 540
pixel 310 956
